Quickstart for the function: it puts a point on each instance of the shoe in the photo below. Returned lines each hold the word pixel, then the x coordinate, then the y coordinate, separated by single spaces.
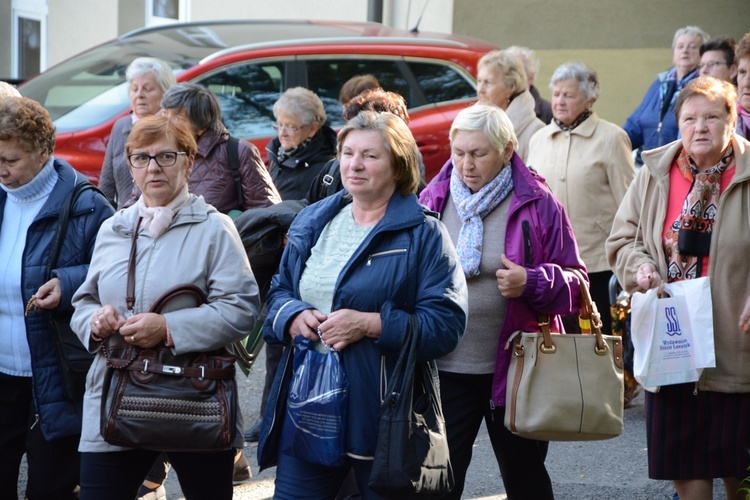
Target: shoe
pixel 241 469
pixel 253 433
pixel 146 493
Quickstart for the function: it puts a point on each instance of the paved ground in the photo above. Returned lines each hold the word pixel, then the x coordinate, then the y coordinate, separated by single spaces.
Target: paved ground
pixel 613 469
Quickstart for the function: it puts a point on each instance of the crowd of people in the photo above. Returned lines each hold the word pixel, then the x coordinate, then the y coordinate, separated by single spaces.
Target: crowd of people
pixel 538 201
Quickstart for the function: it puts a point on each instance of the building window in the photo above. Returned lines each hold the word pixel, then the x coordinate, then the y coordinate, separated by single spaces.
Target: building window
pixel 166 11
pixel 28 40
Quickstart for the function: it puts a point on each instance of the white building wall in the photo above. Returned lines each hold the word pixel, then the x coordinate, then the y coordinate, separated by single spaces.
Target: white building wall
pixel 76 25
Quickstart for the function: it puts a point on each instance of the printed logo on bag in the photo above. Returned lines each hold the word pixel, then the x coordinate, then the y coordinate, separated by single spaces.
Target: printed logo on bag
pixel 673 324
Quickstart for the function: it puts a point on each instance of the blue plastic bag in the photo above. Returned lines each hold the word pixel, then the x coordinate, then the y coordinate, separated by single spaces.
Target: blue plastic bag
pixel 315 419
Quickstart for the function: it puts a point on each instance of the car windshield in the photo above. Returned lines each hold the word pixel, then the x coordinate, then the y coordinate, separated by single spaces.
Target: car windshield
pixel 95 78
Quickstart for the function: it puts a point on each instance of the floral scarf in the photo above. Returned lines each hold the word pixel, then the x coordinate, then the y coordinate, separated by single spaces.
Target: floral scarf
pixel 472 208
pixel 688 239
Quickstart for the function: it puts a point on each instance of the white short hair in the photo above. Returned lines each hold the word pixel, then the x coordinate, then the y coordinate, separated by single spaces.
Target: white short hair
pixel 529 58
pixel 491 120
pixel 692 31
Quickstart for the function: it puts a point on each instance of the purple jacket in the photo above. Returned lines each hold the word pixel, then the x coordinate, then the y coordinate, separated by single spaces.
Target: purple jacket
pixel 549 288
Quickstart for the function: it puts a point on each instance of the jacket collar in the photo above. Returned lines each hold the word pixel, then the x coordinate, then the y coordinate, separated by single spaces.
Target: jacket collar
pixel 196 210
pixel 67 179
pixel 521 111
pixel 585 129
pixel 402 212
pixel 659 160
pixel 322 147
pixel 209 140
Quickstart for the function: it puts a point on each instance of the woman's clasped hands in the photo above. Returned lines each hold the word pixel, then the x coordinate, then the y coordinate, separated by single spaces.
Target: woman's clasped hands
pixel 143 330
pixel 338 329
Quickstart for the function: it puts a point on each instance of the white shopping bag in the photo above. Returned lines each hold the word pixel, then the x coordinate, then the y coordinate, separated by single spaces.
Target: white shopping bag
pixel 673 337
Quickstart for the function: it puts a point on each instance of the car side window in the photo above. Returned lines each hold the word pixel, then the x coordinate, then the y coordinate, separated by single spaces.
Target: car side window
pixel 442 82
pixel 247 93
pixel 326 76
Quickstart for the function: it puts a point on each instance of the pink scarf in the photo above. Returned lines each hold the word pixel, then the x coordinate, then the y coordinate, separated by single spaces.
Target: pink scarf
pixel 157 219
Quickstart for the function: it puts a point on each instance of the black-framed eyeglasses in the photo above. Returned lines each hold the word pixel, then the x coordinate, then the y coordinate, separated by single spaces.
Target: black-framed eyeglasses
pixel 710 64
pixel 163 159
pixel 293 130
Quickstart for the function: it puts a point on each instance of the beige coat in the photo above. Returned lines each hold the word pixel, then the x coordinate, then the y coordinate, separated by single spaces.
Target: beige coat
pixel 202 247
pixel 525 123
pixel 589 169
pixel 630 246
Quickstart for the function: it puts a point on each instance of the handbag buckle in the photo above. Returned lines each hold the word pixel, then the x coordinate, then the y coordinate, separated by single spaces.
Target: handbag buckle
pixel 145 367
pixel 172 370
pixel 547 350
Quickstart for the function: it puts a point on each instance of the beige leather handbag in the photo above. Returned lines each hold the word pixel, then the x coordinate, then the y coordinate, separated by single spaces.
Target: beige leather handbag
pixel 566 387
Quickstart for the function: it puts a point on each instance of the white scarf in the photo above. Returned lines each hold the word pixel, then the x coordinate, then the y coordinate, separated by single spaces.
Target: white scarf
pixel 157 219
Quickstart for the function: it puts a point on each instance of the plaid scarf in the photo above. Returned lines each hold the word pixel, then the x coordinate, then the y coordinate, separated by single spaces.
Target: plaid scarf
pixel 472 208
pixel 670 87
pixel 688 239
pixel 581 118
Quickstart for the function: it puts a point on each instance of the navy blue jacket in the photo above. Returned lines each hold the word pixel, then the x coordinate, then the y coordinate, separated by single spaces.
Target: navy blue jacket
pixel 645 128
pixel 57 416
pixel 405 239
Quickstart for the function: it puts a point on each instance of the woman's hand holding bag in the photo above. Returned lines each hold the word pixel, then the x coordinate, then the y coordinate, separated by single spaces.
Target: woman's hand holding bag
pixel 673 336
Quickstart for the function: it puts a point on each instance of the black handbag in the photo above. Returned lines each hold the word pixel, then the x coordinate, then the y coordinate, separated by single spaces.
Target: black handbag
pixel 75 360
pixel 411 454
pixel 156 400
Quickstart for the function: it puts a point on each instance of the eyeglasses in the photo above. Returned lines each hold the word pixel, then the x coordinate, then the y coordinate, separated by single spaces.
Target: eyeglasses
pixel 293 130
pixel 710 64
pixel 163 159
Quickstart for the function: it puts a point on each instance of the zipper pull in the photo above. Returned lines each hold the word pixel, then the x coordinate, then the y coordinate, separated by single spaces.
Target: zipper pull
pixel 369 261
pixel 492 409
pixel 695 390
pixel 36 421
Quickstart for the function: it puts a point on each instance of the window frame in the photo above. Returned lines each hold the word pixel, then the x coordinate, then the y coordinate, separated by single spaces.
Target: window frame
pixel 35 11
pixel 183 15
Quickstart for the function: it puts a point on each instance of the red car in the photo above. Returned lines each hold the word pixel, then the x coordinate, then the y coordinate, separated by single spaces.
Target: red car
pixel 249 64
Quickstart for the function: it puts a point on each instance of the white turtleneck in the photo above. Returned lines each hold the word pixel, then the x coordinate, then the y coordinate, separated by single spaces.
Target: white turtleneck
pixel 21 207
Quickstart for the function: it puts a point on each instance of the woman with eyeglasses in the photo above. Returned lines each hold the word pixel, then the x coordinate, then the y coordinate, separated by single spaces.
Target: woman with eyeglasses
pixel 179 239
pixel 653 123
pixel 717 59
pixel 304 143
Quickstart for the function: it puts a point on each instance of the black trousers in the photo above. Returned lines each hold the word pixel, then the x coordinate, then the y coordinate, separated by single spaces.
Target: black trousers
pixel 118 475
pixel 466 402
pixel 53 466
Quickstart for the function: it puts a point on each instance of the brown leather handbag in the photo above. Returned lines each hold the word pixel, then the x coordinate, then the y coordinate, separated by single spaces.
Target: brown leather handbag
pixel 156 400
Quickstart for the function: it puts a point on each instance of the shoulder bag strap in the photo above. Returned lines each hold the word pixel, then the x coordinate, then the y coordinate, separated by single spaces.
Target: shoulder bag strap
pixel 130 290
pixel 62 225
pixel 233 155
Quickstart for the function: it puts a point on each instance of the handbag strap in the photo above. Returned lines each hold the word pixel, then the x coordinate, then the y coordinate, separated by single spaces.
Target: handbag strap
pixel 62 225
pixel 402 377
pixel 589 318
pixel 130 288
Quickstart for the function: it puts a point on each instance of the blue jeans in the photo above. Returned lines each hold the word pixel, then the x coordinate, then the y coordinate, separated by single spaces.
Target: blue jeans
pixel 118 475
pixel 296 479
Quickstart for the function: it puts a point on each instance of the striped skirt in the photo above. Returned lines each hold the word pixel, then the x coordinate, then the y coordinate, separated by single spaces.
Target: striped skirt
pixel 697 436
